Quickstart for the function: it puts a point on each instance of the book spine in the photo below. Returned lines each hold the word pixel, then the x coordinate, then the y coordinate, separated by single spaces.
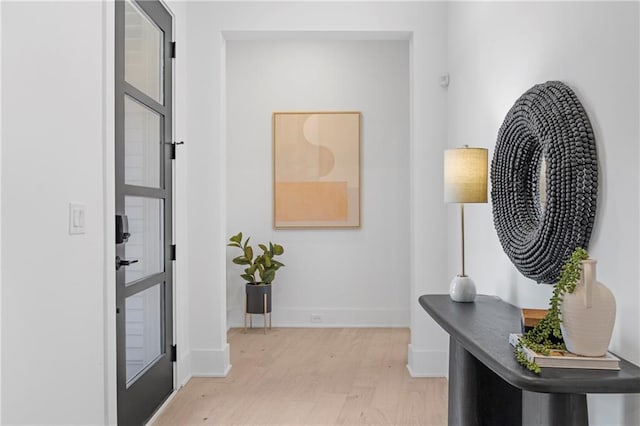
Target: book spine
pixel 531 356
pixel 514 338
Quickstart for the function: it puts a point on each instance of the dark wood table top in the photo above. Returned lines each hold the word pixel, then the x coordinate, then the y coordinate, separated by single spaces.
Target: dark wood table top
pixel 483 329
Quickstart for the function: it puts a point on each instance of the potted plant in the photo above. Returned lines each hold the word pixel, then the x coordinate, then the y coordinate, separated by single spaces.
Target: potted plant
pixel 259 273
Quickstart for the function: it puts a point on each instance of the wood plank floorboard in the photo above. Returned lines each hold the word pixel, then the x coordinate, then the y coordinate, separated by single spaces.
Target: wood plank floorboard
pixel 313 376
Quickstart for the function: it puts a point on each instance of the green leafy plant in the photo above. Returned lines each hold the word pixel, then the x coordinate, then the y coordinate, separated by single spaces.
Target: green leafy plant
pixel 264 265
pixel 540 338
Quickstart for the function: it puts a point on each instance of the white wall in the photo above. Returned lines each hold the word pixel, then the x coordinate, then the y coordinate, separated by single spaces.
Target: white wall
pixel 52 283
pixel 1 134
pixel 496 52
pixel 351 277
pixel 209 24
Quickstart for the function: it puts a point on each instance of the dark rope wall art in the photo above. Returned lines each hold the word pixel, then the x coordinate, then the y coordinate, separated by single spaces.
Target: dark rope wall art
pixel 547 122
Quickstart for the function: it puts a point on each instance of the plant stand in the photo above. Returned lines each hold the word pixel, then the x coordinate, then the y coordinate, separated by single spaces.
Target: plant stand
pixel 264 314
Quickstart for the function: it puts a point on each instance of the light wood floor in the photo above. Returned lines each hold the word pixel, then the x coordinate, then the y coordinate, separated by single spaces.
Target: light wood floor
pixel 298 376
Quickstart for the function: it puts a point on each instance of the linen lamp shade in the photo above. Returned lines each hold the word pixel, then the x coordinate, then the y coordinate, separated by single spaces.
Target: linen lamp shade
pixel 465 175
pixel 465 181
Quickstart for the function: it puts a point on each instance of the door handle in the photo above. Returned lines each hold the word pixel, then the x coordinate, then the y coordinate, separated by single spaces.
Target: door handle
pixel 123 262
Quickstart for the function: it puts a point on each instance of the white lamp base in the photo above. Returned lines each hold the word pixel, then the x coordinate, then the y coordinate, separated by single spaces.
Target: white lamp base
pixel 462 289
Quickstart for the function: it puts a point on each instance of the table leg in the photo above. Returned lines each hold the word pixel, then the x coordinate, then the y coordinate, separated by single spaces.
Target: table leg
pixel 477 396
pixel 554 409
pixel 462 386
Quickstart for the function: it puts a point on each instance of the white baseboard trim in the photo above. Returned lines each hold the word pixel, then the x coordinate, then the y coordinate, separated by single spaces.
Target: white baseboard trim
pixel 258 325
pixel 183 370
pixel 210 362
pixel 185 381
pixel 229 318
pixel 427 363
pixel 329 318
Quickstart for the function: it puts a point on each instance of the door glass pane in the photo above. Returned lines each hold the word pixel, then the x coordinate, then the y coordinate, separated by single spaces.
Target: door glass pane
pixel 143 52
pixel 142 145
pixel 146 243
pixel 143 329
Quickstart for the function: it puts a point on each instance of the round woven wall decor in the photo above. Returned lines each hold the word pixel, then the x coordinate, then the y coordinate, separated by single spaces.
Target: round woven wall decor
pixel 547 121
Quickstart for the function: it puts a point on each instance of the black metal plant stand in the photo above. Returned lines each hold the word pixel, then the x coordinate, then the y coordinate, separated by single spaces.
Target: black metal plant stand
pixel 266 313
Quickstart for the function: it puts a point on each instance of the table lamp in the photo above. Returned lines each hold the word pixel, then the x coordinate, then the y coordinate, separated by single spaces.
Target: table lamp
pixel 465 181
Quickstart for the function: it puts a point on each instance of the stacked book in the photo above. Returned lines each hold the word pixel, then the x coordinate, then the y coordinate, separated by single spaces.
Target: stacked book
pixel 565 359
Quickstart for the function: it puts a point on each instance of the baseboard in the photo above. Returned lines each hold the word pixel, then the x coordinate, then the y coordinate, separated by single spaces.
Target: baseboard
pixel 184 370
pixel 229 319
pixel 427 363
pixel 327 318
pixel 210 362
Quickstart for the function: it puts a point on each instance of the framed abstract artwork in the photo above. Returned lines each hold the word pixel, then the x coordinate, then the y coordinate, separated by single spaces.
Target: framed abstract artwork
pixel 316 169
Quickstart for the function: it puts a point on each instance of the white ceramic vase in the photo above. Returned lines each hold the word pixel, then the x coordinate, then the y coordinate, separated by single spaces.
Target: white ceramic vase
pixel 588 314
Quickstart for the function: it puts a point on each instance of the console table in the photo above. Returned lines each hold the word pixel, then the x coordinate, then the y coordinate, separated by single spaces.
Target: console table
pixel 487 386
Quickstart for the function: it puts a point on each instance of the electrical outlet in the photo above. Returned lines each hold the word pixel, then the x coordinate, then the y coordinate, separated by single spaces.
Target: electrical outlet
pixel 316 318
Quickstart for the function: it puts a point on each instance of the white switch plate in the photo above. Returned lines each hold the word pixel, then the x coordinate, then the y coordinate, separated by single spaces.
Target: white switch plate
pixel 76 218
pixel 444 80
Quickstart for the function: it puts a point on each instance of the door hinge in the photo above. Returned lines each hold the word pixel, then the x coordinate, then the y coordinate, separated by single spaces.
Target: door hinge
pixel 174 353
pixel 172 252
pixel 172 46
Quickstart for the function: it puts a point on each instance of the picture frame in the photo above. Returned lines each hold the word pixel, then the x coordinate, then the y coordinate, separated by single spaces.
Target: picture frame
pixel 316 169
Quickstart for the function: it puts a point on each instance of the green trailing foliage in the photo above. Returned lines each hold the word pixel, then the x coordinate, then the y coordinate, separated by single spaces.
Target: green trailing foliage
pixel 264 265
pixel 541 338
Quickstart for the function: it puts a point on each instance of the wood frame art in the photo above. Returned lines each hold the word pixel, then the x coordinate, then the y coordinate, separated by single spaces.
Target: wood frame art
pixel 316 169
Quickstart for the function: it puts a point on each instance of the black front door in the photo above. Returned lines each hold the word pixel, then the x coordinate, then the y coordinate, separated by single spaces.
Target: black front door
pixel 143 172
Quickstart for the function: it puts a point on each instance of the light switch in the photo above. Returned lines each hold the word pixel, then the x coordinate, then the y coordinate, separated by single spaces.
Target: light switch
pixel 444 80
pixel 76 218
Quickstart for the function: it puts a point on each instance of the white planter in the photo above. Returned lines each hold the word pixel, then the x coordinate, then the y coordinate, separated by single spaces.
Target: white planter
pixel 588 314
